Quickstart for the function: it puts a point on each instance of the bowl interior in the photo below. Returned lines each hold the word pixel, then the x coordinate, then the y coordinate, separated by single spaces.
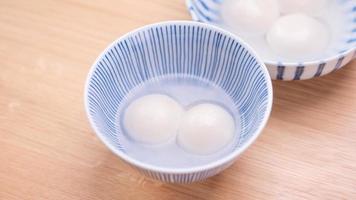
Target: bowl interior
pixel 338 15
pixel 182 49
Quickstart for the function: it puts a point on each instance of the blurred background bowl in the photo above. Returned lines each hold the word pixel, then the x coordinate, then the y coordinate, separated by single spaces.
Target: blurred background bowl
pixel 341 52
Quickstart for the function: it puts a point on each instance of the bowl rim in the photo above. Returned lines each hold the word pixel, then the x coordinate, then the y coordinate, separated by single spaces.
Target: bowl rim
pixel 174 170
pixel 269 62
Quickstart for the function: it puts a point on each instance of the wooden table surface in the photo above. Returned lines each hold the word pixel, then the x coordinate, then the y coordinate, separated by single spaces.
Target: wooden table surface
pixel 48 150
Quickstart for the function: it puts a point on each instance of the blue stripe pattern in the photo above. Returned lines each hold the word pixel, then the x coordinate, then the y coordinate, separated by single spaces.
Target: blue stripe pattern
pixel 339 63
pixel 320 69
pixel 280 72
pixel 205 10
pixel 208 11
pixel 298 73
pixel 176 49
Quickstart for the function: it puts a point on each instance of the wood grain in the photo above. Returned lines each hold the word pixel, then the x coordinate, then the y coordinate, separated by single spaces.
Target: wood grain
pixel 49 151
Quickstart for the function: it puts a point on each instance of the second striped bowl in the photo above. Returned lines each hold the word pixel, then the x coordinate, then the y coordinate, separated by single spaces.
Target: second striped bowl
pixel 340 17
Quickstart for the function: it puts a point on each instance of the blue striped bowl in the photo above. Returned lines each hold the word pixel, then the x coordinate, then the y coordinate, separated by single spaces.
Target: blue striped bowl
pixel 208 11
pixel 178 48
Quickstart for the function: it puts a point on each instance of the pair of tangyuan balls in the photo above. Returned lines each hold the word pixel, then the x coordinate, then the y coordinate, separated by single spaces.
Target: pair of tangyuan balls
pixel 290 26
pixel 202 129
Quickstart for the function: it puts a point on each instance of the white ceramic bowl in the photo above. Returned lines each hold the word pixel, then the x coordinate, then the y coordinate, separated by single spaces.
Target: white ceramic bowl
pixel 178 48
pixel 341 18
